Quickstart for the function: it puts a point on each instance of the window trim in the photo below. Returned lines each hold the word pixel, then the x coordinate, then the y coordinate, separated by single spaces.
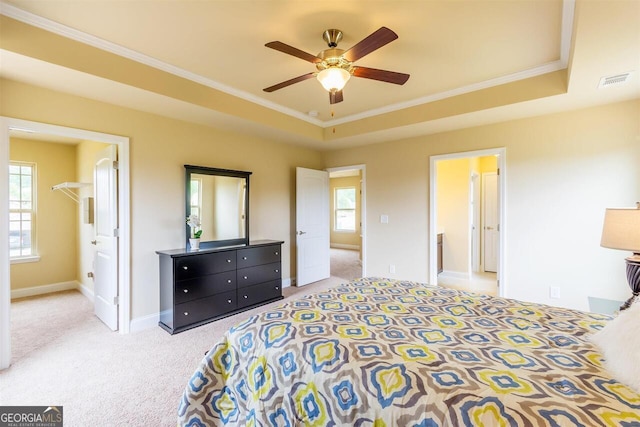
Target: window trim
pixel 33 256
pixel 336 210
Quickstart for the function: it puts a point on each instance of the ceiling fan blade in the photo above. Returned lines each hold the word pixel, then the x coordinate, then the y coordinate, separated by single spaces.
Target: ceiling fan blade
pixel 374 41
pixel 335 97
pixel 289 82
pixel 381 75
pixel 285 48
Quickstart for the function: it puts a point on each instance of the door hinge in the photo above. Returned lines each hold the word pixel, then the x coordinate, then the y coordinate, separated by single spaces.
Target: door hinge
pixel 116 300
pixel 116 232
pixel 498 171
pixel 116 164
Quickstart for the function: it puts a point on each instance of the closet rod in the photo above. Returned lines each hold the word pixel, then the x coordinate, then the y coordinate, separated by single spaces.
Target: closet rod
pixel 66 188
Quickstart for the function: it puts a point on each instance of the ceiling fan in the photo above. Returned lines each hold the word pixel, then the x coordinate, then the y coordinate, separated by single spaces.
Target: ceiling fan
pixel 335 66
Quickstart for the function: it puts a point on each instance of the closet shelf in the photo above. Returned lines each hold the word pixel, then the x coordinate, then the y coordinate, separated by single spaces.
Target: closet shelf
pixel 67 188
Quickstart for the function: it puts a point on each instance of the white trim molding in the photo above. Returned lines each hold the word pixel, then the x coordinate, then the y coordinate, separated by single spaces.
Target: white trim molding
pixel 501 154
pixel 363 208
pixel 44 289
pixel 124 248
pixel 86 291
pixel 568 7
pixel 288 282
pixel 145 322
pixel 345 246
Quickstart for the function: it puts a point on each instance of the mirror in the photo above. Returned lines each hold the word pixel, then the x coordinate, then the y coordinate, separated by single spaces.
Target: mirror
pixel 220 198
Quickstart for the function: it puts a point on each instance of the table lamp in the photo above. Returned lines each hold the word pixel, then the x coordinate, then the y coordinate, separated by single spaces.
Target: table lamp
pixel 621 230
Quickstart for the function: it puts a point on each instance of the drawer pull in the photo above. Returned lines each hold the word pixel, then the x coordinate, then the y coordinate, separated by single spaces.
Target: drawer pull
pixel 276 270
pixel 229 281
pixel 245 297
pixel 186 291
pixel 184 267
pixel 186 313
pixel 229 301
pixel 228 260
pixel 245 277
pixel 276 253
pixel 244 257
pixel 277 288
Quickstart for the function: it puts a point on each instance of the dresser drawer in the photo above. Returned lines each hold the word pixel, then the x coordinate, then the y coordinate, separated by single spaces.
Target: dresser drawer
pixel 204 308
pixel 258 274
pixel 258 256
pixel 259 293
pixel 203 264
pixel 199 287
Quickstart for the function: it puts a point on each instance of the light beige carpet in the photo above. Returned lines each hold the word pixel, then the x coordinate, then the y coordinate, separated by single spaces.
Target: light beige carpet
pixel 345 264
pixel 63 355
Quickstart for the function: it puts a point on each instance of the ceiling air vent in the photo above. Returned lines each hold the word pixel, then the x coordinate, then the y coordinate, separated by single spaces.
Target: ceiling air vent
pixel 616 80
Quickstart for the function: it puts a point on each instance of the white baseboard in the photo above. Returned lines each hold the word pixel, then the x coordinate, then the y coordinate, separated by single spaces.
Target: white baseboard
pixel 44 289
pixel 345 246
pixel 145 322
pixel 455 275
pixel 288 282
pixel 86 291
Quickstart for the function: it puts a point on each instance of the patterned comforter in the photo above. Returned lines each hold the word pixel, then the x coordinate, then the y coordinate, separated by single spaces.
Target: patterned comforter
pixel 377 352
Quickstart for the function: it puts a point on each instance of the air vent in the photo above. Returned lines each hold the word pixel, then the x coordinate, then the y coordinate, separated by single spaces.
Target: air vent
pixel 616 80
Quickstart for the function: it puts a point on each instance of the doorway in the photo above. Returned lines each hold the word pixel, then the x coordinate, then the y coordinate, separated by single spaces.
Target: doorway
pixel 313 225
pixel 346 233
pixel 467 247
pixel 9 125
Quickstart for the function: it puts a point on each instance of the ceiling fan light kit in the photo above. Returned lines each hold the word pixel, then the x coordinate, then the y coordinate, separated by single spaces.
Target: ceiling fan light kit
pixel 335 66
pixel 333 78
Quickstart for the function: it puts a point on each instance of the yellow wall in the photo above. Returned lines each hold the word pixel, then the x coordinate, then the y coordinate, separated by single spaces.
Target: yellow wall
pixel 159 149
pixel 562 171
pixel 341 238
pixel 56 220
pixel 453 216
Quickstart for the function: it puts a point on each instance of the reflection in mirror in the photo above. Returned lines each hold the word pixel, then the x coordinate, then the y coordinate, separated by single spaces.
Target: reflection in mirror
pixel 220 198
pixel 219 202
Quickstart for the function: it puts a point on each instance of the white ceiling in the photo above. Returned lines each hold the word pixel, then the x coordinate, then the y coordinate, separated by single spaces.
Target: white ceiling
pixel 448 47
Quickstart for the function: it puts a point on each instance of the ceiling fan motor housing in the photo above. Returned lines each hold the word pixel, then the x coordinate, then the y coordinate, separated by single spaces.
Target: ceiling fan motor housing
pixel 332 37
pixel 333 58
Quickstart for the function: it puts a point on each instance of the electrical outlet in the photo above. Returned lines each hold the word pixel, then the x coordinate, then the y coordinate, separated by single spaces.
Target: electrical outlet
pixel 384 219
pixel 554 292
pixel 392 268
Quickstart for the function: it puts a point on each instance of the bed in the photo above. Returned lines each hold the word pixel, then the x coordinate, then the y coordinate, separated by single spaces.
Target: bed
pixel 379 352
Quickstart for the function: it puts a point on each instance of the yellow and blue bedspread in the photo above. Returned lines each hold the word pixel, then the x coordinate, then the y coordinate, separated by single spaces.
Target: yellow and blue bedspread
pixel 378 352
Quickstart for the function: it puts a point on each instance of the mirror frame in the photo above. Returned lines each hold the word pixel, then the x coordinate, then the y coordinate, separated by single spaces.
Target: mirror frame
pixel 190 169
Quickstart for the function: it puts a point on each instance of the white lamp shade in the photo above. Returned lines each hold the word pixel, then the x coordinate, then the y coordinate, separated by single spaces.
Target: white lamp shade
pixel 621 229
pixel 333 78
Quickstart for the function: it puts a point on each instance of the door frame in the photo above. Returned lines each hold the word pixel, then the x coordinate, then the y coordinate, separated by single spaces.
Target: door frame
pixel 363 208
pixel 501 153
pixel 124 265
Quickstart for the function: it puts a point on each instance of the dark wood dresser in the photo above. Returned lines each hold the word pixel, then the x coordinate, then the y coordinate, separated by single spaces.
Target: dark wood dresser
pixel 206 285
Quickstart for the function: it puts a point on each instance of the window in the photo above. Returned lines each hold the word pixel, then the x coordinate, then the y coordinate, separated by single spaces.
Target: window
pixel 22 209
pixel 196 197
pixel 345 209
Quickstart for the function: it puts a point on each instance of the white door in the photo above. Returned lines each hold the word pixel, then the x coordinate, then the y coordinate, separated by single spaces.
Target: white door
pixel 475 222
pixel 312 226
pixel 491 225
pixel 106 241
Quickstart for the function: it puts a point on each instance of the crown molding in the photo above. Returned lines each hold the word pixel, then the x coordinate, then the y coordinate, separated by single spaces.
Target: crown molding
pixel 82 37
pixel 568 8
